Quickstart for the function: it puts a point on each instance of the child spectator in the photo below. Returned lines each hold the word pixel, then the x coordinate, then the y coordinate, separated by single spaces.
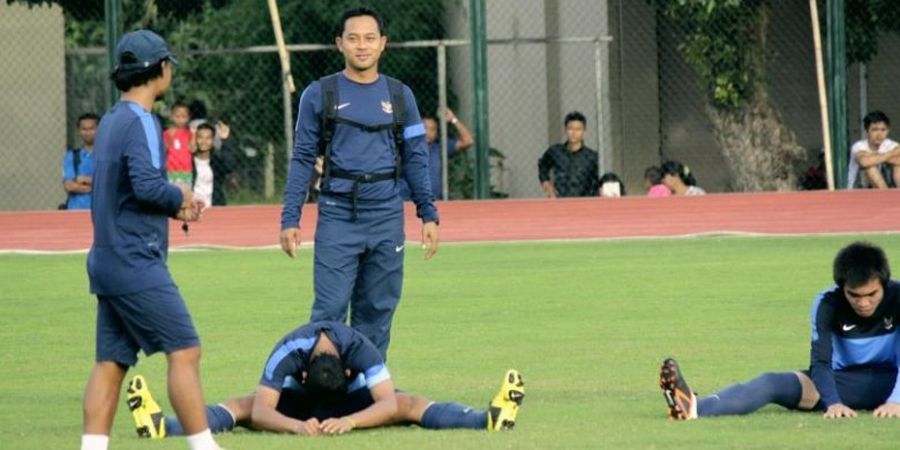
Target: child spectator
pixel 678 178
pixel 212 165
pixel 178 141
pixel 653 183
pixel 611 185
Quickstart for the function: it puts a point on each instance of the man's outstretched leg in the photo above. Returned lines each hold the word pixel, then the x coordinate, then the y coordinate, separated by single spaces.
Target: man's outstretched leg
pixel 152 423
pixel 792 390
pixel 501 414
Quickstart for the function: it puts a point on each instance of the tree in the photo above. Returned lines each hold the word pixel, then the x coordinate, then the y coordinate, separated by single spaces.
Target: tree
pixel 725 42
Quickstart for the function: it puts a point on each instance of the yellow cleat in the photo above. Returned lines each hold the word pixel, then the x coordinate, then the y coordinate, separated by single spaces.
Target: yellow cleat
pixel 505 405
pixel 148 416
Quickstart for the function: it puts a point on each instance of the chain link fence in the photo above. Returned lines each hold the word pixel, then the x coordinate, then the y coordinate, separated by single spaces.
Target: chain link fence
pixel 647 76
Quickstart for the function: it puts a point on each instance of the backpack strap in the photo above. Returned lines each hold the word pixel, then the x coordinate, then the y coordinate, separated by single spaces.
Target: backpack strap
pixel 398 103
pixel 76 160
pixel 329 90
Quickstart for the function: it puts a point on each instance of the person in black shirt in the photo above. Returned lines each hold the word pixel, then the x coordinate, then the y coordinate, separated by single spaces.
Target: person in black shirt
pixel 570 169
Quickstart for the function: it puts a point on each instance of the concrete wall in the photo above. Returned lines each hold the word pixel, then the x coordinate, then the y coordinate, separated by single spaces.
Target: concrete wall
pixel 634 86
pixel 32 107
pixel 531 86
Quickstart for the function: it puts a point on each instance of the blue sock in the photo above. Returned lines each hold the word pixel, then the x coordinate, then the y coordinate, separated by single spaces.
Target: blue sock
pixel 218 416
pixel 780 388
pixel 440 416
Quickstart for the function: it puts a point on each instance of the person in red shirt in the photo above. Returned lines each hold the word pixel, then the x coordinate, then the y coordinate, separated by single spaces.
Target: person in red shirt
pixel 179 143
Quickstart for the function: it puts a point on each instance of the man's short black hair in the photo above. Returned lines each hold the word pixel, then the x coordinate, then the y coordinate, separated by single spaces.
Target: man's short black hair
pixel 125 80
pixel 88 116
pixel 858 263
pixel 574 115
pixel 875 117
pixel 358 12
pixel 206 126
pixel 325 379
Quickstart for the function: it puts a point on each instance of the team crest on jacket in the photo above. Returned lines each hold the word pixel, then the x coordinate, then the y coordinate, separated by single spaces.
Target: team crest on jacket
pixel 387 107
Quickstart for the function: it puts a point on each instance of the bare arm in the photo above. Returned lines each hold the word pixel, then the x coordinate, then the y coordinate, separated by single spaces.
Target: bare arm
pixel 464 138
pixel 868 159
pixel 76 187
pixel 265 417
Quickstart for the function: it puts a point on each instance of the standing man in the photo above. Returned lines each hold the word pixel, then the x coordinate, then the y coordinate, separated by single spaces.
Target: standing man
pixel 78 165
pixel 138 305
pixel 570 169
pixel 462 142
pixel 369 137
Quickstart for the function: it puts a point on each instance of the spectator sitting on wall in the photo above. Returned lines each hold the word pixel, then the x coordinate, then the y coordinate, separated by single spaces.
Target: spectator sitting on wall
pixel 611 185
pixel 78 165
pixel 876 157
pixel 678 178
pixel 570 169
pixel 653 183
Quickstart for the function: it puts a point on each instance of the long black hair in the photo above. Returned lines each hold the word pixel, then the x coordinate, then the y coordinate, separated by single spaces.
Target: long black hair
pixel 682 171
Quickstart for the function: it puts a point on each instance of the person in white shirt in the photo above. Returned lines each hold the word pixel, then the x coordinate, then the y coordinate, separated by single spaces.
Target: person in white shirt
pixel 868 156
pixel 211 167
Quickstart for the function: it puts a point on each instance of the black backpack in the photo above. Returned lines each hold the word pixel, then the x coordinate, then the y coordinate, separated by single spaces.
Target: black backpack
pixel 329 119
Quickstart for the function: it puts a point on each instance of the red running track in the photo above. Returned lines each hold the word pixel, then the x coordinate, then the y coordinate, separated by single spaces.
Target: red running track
pixel 794 213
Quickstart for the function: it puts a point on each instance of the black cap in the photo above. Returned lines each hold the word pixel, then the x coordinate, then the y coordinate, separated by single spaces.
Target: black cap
pixel 139 50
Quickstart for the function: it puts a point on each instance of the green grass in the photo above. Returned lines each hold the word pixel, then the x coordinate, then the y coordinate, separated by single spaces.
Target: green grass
pixel 587 323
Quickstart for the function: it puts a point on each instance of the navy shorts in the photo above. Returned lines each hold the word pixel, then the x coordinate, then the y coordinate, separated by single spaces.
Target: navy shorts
pixel 863 387
pixel 152 320
pixel 301 406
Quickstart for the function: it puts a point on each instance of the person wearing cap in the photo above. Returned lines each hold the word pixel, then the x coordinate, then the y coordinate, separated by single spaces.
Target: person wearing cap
pixel 359 238
pixel 138 304
pixel 854 357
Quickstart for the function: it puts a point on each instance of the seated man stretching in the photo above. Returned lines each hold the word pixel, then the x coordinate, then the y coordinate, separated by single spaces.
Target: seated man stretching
pixel 854 357
pixel 314 383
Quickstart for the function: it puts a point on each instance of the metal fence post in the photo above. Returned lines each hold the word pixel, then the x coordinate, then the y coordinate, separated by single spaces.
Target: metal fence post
pixel 837 88
pixel 480 92
pixel 442 113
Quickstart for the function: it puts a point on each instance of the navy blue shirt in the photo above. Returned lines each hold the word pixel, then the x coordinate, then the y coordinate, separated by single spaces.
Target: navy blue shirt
pixel 357 151
pixel 132 203
pixel 843 340
pixel 292 353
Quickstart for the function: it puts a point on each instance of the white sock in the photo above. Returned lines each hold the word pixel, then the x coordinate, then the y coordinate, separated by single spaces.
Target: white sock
pixel 202 441
pixel 94 442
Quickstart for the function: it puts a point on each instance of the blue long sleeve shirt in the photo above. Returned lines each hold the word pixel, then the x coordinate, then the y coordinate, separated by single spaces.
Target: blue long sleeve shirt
pixel 132 203
pixel 843 340
pixel 357 151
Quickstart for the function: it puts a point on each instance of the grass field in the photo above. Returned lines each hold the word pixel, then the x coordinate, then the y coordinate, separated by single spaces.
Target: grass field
pixel 587 323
